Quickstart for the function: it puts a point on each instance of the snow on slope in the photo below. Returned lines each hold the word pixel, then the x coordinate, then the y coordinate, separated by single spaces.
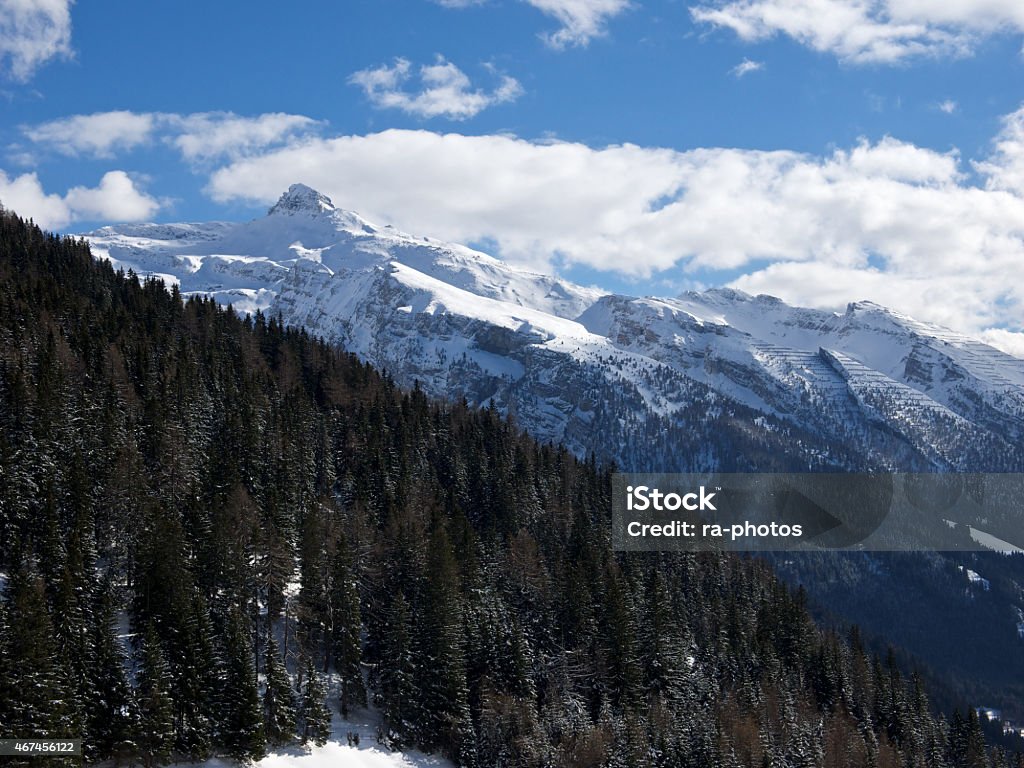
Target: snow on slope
pixel 305 226
pixel 337 752
pixel 596 371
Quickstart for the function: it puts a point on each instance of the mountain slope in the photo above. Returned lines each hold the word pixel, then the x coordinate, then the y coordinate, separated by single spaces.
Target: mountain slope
pixel 173 462
pixel 867 388
pixel 714 380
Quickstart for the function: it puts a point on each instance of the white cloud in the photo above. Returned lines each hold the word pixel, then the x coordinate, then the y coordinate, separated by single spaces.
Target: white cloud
pixel 745 67
pixel 445 90
pixel 1005 168
pixel 208 135
pixel 200 137
pixel 580 20
pixel 25 196
pixel 32 32
pixel 889 221
pixel 948 106
pixel 862 31
pixel 116 198
pixel 1008 341
pixel 99 134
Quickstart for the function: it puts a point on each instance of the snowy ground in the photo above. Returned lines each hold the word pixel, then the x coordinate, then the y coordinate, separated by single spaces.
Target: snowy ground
pixel 336 752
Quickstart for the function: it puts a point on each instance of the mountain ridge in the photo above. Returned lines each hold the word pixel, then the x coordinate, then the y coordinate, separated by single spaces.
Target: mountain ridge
pixel 589 368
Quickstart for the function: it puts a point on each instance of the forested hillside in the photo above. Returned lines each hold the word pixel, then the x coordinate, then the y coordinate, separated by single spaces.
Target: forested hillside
pixel 280 530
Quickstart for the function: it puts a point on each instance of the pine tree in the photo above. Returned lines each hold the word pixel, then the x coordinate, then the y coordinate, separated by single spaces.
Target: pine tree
pixel 278 698
pixel 41 704
pixel 443 718
pixel 242 733
pixel 396 671
pixel 346 630
pixel 113 717
pixel 314 717
pixel 155 737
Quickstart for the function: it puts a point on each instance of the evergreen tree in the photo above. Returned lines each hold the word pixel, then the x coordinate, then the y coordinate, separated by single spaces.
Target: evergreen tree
pixel 242 732
pixel 112 711
pixel 396 671
pixel 155 736
pixel 278 697
pixel 40 705
pixel 346 629
pixel 443 718
pixel 314 717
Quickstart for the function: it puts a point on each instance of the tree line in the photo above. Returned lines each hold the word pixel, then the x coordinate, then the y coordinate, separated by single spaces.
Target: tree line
pixel 216 532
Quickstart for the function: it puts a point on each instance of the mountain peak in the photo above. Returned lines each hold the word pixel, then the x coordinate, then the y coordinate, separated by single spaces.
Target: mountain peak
pixel 301 199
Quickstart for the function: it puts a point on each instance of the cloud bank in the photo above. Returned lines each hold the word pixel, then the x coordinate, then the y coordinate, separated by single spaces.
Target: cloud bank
pixel 199 136
pixel 115 198
pixel 868 31
pixel 887 221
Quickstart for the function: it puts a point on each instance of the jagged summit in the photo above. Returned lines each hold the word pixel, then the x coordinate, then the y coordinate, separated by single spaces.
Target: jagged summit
pixel 301 199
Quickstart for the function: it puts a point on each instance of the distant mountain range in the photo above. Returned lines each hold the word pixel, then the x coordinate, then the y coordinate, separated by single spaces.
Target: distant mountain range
pixel 712 380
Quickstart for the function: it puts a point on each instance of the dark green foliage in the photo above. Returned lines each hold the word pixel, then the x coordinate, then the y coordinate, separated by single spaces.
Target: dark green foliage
pixel 155 737
pixel 172 461
pixel 112 711
pixel 346 629
pixel 241 722
pixel 314 716
pixel 278 698
pixel 37 679
pixel 396 693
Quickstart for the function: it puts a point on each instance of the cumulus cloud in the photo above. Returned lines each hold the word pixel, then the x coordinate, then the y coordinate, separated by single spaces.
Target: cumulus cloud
pixel 580 20
pixel 887 221
pixel 31 33
pixel 948 106
pixel 98 135
pixel 868 31
pixel 1005 168
pixel 115 198
pixel 209 135
pixel 1009 341
pixel 445 90
pixel 200 136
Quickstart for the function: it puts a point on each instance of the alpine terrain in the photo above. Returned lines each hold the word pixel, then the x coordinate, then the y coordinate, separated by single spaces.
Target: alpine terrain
pixel 660 384
pixel 718 380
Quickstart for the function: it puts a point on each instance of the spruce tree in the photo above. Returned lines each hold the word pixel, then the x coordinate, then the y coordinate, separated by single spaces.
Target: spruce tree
pixel 396 671
pixel 443 717
pixel 155 736
pixel 241 733
pixel 278 697
pixel 346 629
pixel 112 711
pixel 41 705
pixel 315 717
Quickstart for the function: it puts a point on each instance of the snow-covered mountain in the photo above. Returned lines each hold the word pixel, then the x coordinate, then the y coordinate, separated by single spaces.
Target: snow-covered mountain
pixel 714 379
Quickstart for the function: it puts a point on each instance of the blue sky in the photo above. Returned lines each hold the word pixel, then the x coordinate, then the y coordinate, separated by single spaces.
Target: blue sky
pixel 821 150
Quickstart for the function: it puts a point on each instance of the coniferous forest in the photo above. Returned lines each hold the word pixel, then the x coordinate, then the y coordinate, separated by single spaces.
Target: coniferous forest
pixel 215 532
